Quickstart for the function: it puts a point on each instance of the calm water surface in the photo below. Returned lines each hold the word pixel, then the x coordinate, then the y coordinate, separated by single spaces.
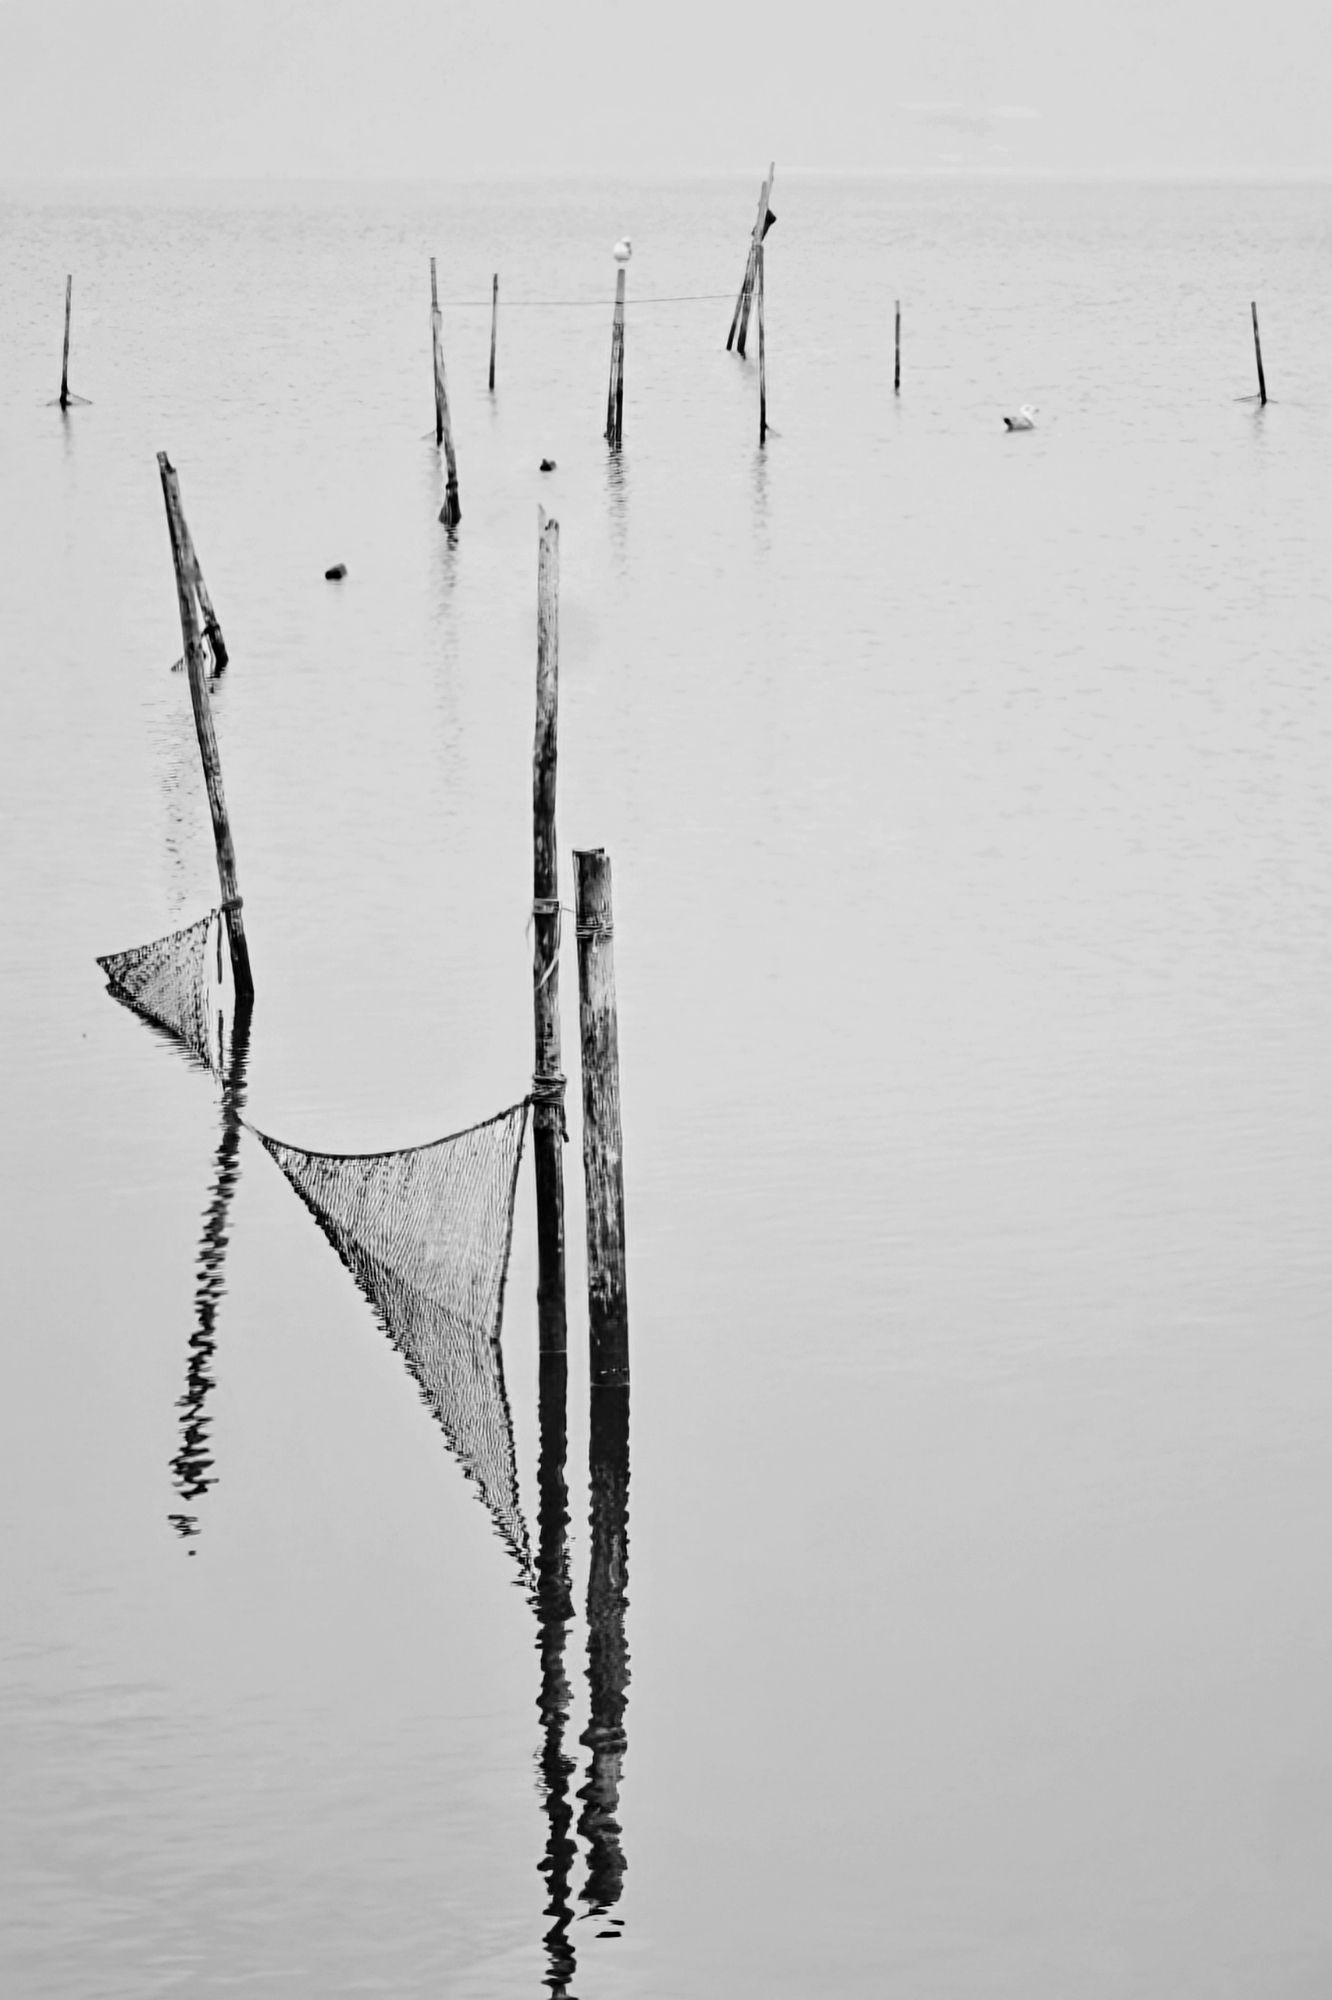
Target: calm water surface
pixel 969 800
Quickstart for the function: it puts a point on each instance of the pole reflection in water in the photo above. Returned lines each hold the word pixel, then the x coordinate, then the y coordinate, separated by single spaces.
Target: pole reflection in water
pixel 192 1466
pixel 554 1604
pixel 607 1650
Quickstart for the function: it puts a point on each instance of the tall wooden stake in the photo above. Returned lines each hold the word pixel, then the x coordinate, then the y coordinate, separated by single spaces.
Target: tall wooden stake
pixel 203 727
pixel 64 365
pixel 740 317
pixel 897 349
pixel 1258 353
pixel 615 393
pixel 548 1124
pixel 451 512
pixel 494 323
pixel 763 358
pixel 603 1146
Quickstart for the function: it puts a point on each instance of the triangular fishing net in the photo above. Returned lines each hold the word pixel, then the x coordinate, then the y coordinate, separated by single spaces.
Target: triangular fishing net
pixel 425 1232
pixel 176 982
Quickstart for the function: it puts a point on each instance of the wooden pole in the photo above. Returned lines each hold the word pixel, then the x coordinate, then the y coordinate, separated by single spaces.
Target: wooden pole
pixel 1258 353
pixel 203 726
pixel 603 1148
pixel 212 630
pixel 64 365
pixel 494 323
pixel 763 359
pixel 615 393
pixel 740 318
pixel 897 349
pixel 549 1130
pixel 451 512
pixel 606 1736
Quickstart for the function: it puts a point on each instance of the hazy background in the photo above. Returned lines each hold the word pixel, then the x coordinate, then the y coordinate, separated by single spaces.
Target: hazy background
pixel 412 88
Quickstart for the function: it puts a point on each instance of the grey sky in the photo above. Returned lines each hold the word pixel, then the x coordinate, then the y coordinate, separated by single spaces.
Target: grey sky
pixel 440 87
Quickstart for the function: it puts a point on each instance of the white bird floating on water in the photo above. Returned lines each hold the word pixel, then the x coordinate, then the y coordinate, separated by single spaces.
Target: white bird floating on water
pixel 1025 420
pixel 623 251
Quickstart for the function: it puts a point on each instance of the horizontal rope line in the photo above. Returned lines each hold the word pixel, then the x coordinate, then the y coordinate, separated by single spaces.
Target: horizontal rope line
pixel 647 299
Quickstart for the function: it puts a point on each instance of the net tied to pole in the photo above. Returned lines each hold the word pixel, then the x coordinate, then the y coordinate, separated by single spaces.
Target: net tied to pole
pixel 176 982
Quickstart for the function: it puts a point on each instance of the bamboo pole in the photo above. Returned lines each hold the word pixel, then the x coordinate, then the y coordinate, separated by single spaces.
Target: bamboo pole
pixel 897 349
pixel 740 318
pixel 763 358
pixel 548 1123
pixel 203 726
pixel 615 393
pixel 603 1146
pixel 494 324
pixel 606 1736
pixel 64 365
pixel 1258 353
pixel 451 512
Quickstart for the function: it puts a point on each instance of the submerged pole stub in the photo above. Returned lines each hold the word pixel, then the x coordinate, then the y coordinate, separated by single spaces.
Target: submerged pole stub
pixel 203 727
pixel 897 348
pixel 451 512
pixel 1258 353
pixel 603 1146
pixel 549 1130
pixel 494 325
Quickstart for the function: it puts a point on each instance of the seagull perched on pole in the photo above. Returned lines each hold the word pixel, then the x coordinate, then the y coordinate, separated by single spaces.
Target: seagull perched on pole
pixel 623 251
pixel 1025 420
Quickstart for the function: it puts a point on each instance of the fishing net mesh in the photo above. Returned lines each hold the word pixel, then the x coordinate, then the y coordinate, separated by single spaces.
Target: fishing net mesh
pixel 425 1233
pixel 175 982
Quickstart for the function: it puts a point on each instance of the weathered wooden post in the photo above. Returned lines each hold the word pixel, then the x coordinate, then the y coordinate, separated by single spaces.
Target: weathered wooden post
pixel 494 323
pixel 763 222
pixel 603 1147
pixel 763 357
pixel 615 393
pixel 451 512
pixel 606 1736
pixel 203 726
pixel 548 1123
pixel 64 365
pixel 1258 353
pixel 897 349
pixel 212 630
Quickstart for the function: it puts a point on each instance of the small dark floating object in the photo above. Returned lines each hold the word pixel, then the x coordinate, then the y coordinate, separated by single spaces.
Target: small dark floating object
pixel 336 574
pixel 547 465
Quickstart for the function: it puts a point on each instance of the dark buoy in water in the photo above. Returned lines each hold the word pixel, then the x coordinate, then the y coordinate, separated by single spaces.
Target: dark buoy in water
pixel 547 465
pixel 336 574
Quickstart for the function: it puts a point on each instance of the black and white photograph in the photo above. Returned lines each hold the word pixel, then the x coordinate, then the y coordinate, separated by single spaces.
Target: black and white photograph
pixel 665 1000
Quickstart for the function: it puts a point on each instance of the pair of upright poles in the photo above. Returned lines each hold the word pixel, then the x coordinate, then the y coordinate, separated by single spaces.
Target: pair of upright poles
pixel 751 296
pixel 603 1171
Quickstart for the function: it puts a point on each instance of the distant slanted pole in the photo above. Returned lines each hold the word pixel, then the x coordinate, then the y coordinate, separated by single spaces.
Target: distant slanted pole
pixel 494 325
pixel 763 357
pixel 203 726
pixel 451 512
pixel 548 1123
pixel 615 392
pixel 763 222
pixel 897 349
pixel 1258 353
pixel 64 365
pixel 603 1145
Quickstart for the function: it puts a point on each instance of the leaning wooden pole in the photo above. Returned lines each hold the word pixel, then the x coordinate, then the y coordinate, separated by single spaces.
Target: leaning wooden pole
pixel 548 1124
pixel 897 349
pixel 64 365
pixel 603 1147
pixel 740 318
pixel 203 726
pixel 1258 353
pixel 615 392
pixel 763 355
pixel 451 512
pixel 494 326
pixel 212 630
